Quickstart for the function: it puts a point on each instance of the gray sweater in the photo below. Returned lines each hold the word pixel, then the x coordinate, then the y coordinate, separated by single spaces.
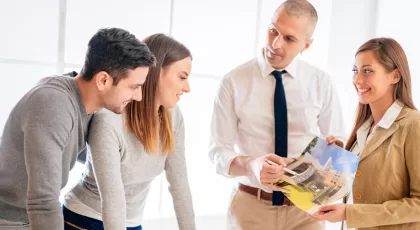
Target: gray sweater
pixel 42 137
pixel 119 173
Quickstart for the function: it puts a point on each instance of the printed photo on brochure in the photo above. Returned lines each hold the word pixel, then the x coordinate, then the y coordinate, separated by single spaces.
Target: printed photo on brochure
pixel 322 175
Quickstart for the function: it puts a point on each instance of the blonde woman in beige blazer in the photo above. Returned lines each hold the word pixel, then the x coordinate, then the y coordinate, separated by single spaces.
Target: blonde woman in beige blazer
pixel 386 136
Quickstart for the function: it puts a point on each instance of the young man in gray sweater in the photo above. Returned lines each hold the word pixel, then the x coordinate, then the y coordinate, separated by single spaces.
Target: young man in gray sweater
pixel 47 128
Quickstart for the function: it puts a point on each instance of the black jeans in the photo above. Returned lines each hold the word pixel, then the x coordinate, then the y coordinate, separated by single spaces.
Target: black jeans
pixel 74 221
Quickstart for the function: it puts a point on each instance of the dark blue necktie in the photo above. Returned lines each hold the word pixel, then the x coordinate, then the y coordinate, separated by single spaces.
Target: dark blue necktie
pixel 280 126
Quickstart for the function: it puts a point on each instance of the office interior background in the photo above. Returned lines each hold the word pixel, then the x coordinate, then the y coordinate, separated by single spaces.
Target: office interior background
pixel 46 37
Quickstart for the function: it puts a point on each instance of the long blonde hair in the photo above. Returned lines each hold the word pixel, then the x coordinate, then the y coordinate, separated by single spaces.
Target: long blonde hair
pixel 392 56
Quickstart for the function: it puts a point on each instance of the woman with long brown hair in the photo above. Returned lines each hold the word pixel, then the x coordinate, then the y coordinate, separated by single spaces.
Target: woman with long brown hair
pixel 386 136
pixel 129 150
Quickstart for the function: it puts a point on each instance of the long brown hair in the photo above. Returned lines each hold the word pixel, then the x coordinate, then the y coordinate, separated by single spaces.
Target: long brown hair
pixel 392 56
pixel 153 127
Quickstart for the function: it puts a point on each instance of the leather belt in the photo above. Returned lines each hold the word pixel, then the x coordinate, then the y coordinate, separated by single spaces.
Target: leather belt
pixel 264 195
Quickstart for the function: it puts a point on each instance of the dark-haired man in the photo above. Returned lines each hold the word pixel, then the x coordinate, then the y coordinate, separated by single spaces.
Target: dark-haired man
pixel 47 128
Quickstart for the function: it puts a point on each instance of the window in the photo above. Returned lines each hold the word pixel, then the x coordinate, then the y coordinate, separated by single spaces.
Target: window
pixel 29 32
pixel 17 79
pixel 218 41
pixel 85 18
pixel 220 34
pixel 405 35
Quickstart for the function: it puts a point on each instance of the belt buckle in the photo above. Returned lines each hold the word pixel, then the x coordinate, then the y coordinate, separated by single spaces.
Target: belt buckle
pixel 287 202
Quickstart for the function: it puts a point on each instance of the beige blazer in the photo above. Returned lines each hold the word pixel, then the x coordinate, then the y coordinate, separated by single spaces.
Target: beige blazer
pixel 386 188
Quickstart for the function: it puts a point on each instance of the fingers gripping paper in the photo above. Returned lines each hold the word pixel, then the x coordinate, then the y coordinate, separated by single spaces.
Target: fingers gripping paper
pixel 322 175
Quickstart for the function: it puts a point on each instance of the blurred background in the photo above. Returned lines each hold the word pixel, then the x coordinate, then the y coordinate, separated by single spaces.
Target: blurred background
pixel 47 37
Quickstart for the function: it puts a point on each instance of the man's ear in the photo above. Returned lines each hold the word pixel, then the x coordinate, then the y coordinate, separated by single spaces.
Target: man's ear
pixel 307 45
pixel 103 80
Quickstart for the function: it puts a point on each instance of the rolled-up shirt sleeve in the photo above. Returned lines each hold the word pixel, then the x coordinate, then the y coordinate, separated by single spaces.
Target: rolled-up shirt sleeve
pixel 224 127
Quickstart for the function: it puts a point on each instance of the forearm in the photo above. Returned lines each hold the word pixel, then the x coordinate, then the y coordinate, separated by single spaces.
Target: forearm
pixel 106 165
pixel 107 171
pixel 51 219
pixel 43 160
pixel 177 176
pixel 114 213
pixel 106 144
pixel 240 166
pixel 184 208
pixel 43 205
pixel 392 212
pixel 44 183
pixel 179 188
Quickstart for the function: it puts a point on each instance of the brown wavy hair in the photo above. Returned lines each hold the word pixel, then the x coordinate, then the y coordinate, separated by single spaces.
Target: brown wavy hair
pixel 392 56
pixel 153 128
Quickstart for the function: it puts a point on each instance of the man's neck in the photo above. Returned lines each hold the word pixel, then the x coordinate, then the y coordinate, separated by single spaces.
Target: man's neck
pixel 88 94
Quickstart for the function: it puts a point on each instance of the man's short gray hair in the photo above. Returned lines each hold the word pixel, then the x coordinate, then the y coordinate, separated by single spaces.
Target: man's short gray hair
pixel 300 8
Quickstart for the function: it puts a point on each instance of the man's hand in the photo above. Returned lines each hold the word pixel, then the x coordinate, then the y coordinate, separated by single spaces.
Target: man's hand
pixel 268 174
pixel 332 140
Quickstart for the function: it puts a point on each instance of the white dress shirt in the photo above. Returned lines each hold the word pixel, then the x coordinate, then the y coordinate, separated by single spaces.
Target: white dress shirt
pixel 243 113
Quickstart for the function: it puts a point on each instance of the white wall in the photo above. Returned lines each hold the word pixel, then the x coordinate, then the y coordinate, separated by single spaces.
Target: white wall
pixel 400 21
pixel 352 23
pixel 39 41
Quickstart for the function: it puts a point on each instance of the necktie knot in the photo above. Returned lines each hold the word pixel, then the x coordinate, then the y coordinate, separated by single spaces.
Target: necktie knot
pixel 277 74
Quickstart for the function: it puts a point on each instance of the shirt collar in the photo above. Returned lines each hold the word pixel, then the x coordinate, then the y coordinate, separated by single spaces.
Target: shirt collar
pixel 266 68
pixel 389 117
pixel 391 114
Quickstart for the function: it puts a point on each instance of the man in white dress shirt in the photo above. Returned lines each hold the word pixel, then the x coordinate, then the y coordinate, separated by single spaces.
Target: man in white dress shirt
pixel 244 115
